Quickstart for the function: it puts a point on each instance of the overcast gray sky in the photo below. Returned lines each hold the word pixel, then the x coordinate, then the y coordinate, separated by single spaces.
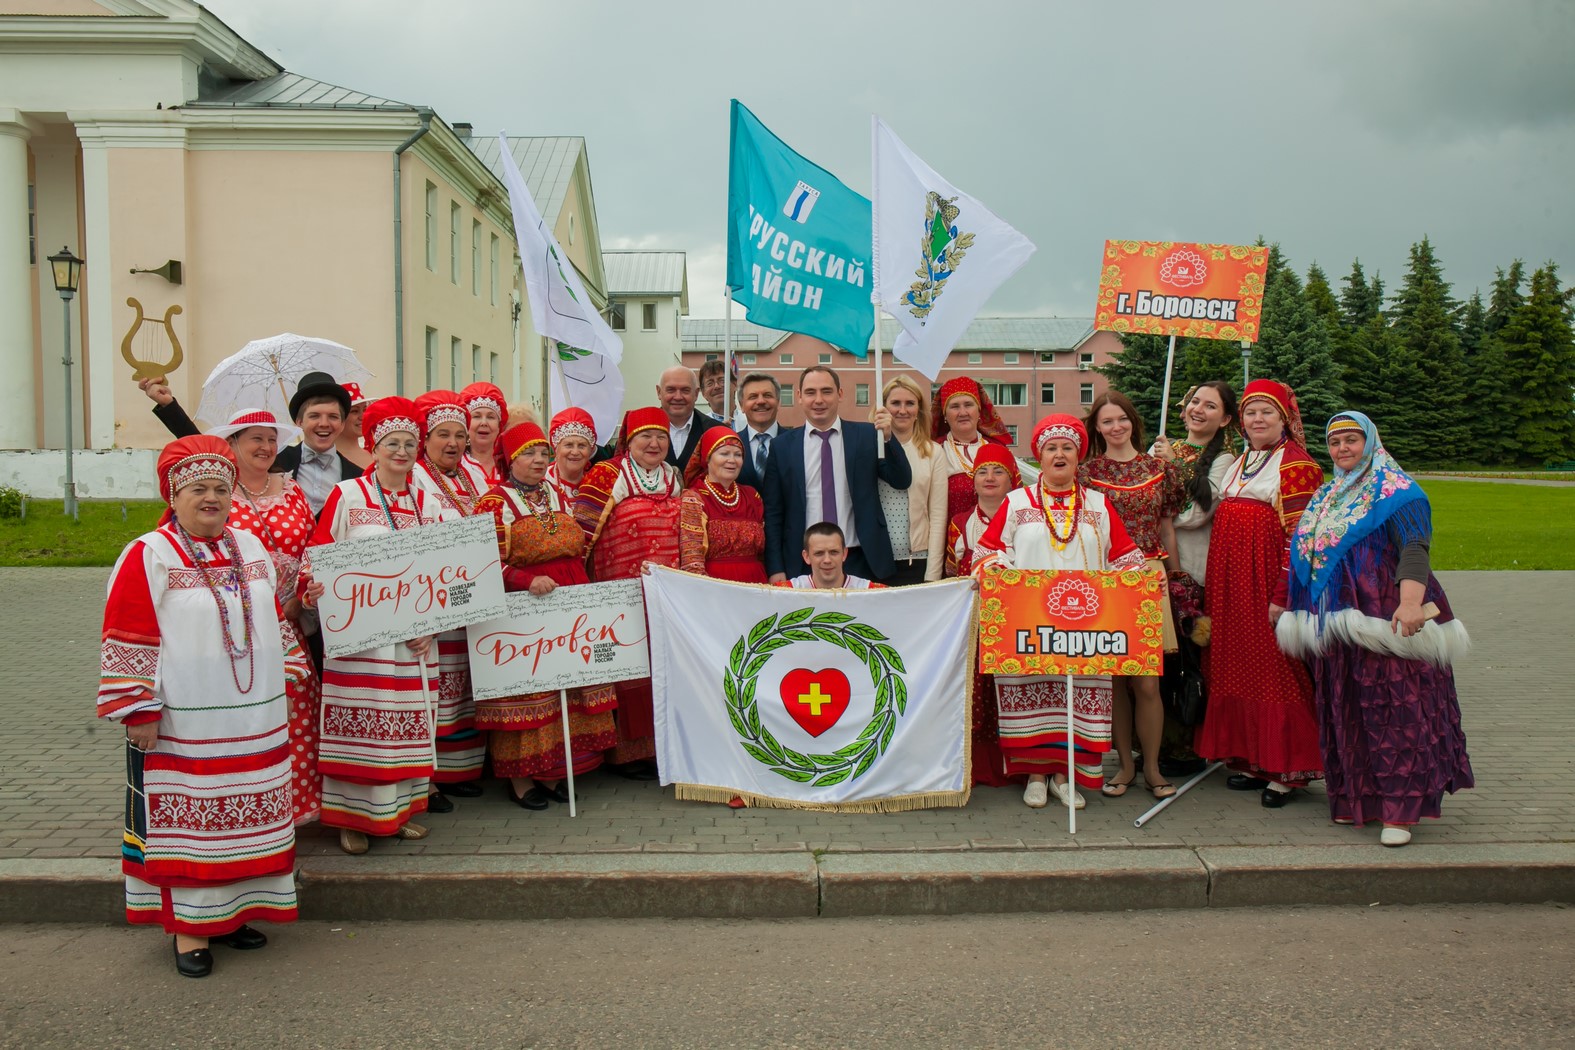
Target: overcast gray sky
pixel 1340 129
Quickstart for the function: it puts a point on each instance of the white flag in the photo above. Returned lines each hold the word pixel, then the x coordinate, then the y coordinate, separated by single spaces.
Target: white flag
pixel 938 256
pixel 559 305
pixel 580 379
pixel 811 699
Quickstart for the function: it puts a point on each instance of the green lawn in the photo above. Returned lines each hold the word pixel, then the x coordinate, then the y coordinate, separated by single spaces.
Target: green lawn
pixel 1476 525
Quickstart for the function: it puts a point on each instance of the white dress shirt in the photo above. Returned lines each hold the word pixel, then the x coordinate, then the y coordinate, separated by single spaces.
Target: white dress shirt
pixel 813 511
pixel 317 475
pixel 680 435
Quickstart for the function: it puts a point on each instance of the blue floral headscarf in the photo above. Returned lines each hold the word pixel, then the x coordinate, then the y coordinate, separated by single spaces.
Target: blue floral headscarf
pixel 1349 508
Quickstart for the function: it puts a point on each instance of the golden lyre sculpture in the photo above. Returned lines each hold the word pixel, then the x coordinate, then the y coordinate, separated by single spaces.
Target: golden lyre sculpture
pixel 152 345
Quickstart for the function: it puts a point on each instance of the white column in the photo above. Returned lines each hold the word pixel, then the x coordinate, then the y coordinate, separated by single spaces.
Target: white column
pixel 56 213
pixel 18 419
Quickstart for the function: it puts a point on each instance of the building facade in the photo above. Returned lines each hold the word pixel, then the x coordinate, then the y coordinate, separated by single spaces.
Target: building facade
pixel 648 299
pixel 1029 366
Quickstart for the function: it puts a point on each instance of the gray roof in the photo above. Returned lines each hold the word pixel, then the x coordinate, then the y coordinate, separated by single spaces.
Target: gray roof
pixel 645 273
pixel 984 333
pixel 547 162
pixel 292 91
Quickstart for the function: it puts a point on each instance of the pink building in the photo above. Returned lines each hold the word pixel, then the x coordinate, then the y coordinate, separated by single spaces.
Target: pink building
pixel 1030 366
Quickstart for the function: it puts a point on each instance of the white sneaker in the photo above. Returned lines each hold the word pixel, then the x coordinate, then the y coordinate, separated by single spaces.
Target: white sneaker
pixel 1036 795
pixel 1063 790
pixel 1394 836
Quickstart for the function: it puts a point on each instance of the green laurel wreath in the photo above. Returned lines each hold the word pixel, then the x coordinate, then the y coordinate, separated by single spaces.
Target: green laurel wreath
pixel 750 655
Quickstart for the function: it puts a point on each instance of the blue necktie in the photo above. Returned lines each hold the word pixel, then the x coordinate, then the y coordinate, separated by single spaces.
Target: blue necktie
pixel 828 478
pixel 762 449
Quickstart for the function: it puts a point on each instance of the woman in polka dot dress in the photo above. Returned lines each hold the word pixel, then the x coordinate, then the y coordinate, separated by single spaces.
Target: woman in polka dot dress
pixel 273 508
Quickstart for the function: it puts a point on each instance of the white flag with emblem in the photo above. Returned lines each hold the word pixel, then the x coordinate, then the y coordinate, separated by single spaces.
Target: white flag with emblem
pixel 938 255
pixel 853 700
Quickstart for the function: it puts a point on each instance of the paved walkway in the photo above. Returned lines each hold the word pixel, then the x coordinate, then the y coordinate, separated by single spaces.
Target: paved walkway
pixel 61 770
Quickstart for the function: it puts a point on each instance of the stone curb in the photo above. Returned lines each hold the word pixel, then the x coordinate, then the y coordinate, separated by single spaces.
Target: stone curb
pixel 789 885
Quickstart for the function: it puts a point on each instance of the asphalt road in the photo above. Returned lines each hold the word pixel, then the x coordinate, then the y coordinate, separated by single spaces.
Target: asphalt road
pixel 1295 977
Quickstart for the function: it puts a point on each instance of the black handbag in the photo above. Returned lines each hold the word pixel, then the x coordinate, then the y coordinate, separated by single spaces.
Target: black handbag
pixel 1191 694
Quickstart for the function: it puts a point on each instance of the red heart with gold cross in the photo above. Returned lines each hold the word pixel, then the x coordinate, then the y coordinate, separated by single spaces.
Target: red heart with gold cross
pixel 815 699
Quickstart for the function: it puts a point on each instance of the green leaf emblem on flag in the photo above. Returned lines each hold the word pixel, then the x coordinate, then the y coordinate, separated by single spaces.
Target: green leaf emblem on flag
pixel 943 246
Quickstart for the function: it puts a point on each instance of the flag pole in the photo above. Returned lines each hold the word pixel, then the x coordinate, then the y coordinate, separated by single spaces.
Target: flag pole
pixel 880 443
pixel 1071 770
pixel 568 748
pixel 727 356
pixel 1164 398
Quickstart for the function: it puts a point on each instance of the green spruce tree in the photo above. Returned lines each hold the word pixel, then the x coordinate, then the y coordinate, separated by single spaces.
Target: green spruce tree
pixel 1423 319
pixel 1213 360
pixel 1359 301
pixel 1403 422
pixel 1139 373
pixel 1491 441
pixel 1506 297
pixel 1539 361
pixel 1294 348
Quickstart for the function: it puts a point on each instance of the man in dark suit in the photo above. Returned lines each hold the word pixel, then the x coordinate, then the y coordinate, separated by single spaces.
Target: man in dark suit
pixel 827 470
pixel 319 407
pixel 676 392
pixel 759 397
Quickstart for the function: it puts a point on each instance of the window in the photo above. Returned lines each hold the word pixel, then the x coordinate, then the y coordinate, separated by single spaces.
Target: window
pixel 785 398
pixel 1008 393
pixel 431 228
pixel 432 345
pixel 785 359
pixel 1085 393
pixel 494 270
pixel 617 319
pixel 492 369
pixel 475 257
pixel 475 363
pixel 1009 358
pixel 453 242
pixel 455 348
pixel 713 357
pixel 1047 393
pixel 825 359
pixel 748 359
pixel 1047 357
pixel 648 317
pixel 976 359
pixel 1011 430
pixel 861 394
pixel 1085 362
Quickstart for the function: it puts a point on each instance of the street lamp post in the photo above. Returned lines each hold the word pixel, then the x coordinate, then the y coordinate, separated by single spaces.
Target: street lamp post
pixel 68 277
pixel 1246 355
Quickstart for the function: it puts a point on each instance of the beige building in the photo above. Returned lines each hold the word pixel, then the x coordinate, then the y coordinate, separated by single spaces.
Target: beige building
pixel 140 131
pixel 648 293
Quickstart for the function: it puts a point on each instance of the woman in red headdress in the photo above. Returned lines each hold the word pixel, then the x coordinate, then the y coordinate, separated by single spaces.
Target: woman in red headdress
pixel 489 414
pixel 995 474
pixel 1260 720
pixel 628 507
pixel 722 531
pixel 572 435
pixel 451 481
pixel 193 664
pixel 962 421
pixel 348 444
pixel 541 549
pixel 377 741
pixel 272 507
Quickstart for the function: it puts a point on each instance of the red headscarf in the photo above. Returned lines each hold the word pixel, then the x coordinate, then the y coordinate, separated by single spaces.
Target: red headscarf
pixel 436 407
pixel 1283 398
pixel 990 426
pixel 480 394
pixel 638 419
pixel 1059 425
pixel 189 459
pixel 571 422
pixel 386 415
pixel 713 439
pixel 990 452
pixel 516 440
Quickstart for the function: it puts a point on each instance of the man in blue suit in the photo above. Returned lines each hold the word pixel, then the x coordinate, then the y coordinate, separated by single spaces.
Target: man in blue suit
pixel 827 470
pixel 759 397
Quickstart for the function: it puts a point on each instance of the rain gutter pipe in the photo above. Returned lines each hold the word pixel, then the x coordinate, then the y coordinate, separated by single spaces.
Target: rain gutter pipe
pixel 399 253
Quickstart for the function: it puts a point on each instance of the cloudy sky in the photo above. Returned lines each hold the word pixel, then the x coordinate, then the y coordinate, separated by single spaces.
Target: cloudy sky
pixel 1340 129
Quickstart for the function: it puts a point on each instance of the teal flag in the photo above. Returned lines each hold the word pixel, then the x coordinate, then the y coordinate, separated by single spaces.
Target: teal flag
pixel 798 241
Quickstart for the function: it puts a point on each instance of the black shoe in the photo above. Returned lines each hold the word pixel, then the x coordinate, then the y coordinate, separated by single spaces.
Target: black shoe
pixel 559 794
pixel 1272 799
pixel 196 963
pixel 242 939
pixel 437 802
pixel 534 799
pixel 635 771
pixel 1242 782
pixel 465 789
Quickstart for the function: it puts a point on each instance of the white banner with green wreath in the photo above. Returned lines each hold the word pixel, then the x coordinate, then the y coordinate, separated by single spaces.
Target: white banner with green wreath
pixel 843 700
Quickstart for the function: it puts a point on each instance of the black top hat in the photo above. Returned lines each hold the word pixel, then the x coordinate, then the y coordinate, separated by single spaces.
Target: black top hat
pixel 318 384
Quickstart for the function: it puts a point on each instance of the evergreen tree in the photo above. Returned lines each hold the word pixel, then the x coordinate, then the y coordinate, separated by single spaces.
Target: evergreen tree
pixel 1423 319
pixel 1484 368
pixel 1359 301
pixel 1139 373
pixel 1321 297
pixel 1403 422
pixel 1506 297
pixel 1294 348
pixel 1539 360
pixel 1210 360
pixel 1362 355
pixel 1472 325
